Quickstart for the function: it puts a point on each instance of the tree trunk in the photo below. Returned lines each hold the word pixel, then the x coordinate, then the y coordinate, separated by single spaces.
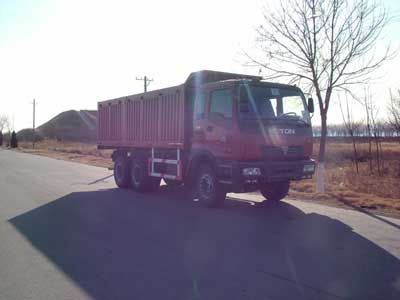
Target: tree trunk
pixel 369 147
pixel 321 155
pixel 377 154
pixel 355 156
pixel 381 155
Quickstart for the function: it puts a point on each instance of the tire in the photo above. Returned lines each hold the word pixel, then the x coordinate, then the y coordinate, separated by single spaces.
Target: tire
pixel 275 191
pixel 139 177
pixel 208 190
pixel 122 172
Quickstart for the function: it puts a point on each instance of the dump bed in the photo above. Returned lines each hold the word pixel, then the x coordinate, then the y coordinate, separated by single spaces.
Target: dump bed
pixel 152 119
pixel 159 119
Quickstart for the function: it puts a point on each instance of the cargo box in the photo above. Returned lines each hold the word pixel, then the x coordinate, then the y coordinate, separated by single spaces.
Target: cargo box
pixel 156 119
pixel 152 119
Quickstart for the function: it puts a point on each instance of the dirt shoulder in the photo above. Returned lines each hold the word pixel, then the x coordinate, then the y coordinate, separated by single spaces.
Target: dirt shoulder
pixel 361 202
pixel 363 191
pixel 78 152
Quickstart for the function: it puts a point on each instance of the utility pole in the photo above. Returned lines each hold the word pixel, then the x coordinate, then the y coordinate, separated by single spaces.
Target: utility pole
pixel 146 81
pixel 33 128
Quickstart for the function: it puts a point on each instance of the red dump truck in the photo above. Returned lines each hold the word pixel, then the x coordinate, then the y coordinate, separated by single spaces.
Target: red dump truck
pixel 216 133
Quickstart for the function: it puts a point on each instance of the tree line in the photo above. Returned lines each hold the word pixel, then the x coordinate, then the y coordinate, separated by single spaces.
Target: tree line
pixel 9 138
pixel 359 130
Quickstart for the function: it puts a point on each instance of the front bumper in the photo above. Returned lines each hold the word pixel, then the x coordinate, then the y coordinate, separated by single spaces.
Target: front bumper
pixel 231 173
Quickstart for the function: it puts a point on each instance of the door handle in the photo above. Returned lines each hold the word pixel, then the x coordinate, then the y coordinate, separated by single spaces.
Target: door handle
pixel 210 128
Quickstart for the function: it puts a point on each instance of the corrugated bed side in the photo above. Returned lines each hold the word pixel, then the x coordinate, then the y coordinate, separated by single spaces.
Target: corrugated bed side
pixel 154 119
pixel 171 118
pixel 110 125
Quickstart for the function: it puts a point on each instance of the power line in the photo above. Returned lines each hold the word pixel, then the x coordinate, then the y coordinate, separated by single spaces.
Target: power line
pixel 146 81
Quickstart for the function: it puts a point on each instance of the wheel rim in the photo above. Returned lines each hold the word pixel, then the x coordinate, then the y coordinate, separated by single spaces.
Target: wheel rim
pixel 206 186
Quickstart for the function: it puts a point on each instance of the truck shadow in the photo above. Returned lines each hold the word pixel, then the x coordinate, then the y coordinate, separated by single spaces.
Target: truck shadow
pixel 116 244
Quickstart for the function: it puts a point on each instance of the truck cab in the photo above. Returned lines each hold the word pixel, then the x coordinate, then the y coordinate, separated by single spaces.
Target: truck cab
pixel 258 134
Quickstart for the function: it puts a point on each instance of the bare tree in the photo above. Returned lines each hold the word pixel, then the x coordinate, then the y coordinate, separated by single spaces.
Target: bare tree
pixel 368 111
pixel 5 123
pixel 325 45
pixel 394 112
pixel 351 126
pixel 374 131
pixel 377 138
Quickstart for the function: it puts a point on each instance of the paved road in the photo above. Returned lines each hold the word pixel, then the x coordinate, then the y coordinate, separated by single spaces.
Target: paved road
pixel 67 234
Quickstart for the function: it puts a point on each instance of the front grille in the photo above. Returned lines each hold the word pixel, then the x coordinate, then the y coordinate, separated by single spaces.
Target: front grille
pixel 279 153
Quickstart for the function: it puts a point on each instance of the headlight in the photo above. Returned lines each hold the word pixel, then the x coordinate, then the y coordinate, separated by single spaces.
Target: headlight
pixel 308 169
pixel 251 172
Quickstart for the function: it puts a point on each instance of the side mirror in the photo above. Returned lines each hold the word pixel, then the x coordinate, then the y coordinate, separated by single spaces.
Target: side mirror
pixel 310 105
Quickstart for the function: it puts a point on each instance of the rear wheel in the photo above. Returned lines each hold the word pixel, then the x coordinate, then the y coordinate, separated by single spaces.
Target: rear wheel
pixel 140 179
pixel 208 190
pixel 275 191
pixel 121 172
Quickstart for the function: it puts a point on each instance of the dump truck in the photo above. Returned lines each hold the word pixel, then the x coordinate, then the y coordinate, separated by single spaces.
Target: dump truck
pixel 214 134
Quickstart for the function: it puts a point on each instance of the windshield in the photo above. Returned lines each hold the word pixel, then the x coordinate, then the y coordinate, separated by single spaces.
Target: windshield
pixel 262 102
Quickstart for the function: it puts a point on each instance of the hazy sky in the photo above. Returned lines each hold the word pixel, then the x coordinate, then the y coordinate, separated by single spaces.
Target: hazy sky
pixel 71 54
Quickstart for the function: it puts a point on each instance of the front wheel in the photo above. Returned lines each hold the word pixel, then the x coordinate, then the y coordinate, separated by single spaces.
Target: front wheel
pixel 275 191
pixel 208 190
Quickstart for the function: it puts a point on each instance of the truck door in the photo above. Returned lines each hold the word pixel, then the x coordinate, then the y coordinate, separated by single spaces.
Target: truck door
pixel 220 122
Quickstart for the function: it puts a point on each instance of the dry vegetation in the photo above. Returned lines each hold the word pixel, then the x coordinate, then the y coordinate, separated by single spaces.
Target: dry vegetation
pixel 73 151
pixel 344 186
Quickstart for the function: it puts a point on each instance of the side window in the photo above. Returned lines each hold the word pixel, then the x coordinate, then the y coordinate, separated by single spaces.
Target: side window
pixel 275 106
pixel 221 103
pixel 199 106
